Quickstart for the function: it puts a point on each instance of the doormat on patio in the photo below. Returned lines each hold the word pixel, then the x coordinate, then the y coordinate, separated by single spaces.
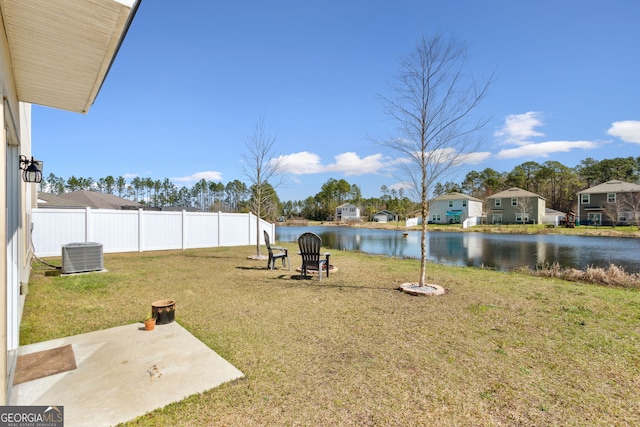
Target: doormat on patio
pixel 44 363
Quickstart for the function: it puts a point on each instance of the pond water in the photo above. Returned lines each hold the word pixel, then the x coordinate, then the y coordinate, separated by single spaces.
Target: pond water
pixel 499 251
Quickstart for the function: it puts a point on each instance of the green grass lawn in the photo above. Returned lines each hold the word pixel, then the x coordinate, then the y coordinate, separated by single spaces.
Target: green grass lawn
pixel 497 349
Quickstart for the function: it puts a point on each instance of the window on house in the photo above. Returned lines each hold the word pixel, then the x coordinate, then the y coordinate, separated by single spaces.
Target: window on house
pixel 514 201
pixel 498 202
pixel 585 199
pixel 435 217
pixel 496 218
pixel 464 203
pixel 611 197
pixel 450 203
pixel 522 217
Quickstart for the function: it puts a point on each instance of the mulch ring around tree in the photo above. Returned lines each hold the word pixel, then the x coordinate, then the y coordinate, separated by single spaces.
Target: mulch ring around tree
pixel 427 290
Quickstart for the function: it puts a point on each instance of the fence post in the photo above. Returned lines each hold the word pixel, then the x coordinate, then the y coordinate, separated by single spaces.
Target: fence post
pixel 184 229
pixel 219 228
pixel 87 224
pixel 140 229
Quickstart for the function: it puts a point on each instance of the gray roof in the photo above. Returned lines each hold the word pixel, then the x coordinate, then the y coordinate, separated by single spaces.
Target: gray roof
pixel 94 199
pixel 514 192
pixel 179 209
pixel 549 211
pixel 613 186
pixel 49 200
pixel 456 196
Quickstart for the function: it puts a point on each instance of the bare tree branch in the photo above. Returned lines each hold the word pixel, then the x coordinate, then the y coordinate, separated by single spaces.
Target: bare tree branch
pixel 261 166
pixel 433 105
pixel 630 206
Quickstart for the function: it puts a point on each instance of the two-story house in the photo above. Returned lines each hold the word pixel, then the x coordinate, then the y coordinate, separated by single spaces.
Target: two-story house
pixel 515 206
pixel 347 212
pixel 614 202
pixel 455 208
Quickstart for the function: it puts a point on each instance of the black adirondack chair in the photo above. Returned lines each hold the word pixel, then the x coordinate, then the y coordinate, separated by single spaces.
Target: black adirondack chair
pixel 312 259
pixel 276 252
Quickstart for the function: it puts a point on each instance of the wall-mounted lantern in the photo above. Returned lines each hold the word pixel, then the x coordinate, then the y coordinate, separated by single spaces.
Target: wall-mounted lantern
pixel 32 169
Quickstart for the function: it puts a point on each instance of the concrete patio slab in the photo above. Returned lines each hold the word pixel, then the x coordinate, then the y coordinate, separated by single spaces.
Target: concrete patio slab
pixel 125 372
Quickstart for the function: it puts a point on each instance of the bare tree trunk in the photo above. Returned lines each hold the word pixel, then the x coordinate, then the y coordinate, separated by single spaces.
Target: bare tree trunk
pixel 423 245
pixel 433 109
pixel 258 234
pixel 260 166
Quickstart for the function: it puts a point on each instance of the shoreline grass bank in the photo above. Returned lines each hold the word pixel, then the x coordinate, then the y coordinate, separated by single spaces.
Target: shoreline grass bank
pixel 620 231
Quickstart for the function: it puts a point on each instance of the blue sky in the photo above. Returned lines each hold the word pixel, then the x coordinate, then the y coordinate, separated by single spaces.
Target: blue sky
pixel 192 79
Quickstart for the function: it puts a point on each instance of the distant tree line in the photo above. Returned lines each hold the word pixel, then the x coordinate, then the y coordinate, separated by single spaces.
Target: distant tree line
pixel 204 195
pixel 333 193
pixel 557 183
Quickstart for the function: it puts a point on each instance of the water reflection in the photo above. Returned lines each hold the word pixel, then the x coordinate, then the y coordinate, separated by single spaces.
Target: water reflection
pixel 499 251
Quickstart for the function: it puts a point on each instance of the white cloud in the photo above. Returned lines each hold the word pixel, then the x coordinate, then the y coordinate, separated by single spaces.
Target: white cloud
pixel 626 130
pixel 544 149
pixel 474 158
pixel 405 185
pixel 351 164
pixel 207 176
pixel 518 128
pixel 448 155
pixel 305 163
pixel 300 163
pixel 400 161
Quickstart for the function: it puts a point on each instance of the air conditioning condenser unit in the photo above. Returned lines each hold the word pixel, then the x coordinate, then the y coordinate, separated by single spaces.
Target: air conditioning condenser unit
pixel 81 257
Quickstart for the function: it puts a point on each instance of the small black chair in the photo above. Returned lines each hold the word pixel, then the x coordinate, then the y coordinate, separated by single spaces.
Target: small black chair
pixel 312 259
pixel 276 252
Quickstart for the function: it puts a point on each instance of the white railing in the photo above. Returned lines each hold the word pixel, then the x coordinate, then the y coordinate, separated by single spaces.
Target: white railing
pixel 141 230
pixel 411 222
pixel 471 222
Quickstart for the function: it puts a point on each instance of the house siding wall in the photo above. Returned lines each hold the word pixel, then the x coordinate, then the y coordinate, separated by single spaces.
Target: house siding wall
pixel 438 210
pixel 347 211
pixel 475 209
pixel 16 199
pixel 535 211
pixel 441 207
pixel 598 204
pixel 542 204
pixel 383 217
pixel 596 201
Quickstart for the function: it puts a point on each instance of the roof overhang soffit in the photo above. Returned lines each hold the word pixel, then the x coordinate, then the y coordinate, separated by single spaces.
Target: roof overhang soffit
pixel 61 51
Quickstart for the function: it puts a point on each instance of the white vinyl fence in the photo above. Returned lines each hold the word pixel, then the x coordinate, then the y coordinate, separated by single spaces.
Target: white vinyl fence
pixel 141 230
